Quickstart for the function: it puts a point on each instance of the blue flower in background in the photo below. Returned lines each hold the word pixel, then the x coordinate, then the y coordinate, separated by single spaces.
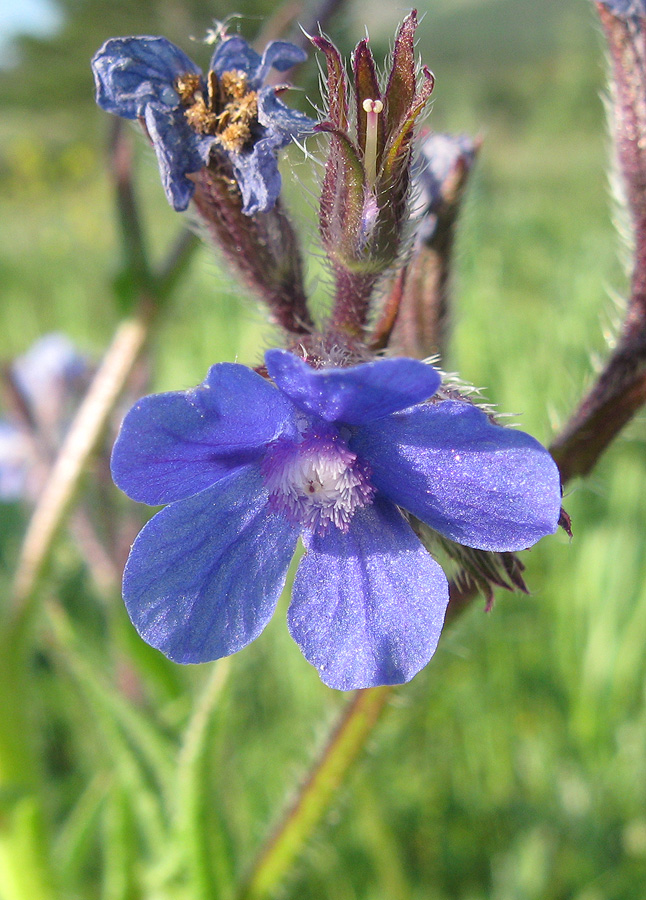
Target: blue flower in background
pixel 49 380
pixel 628 9
pixel 247 466
pixel 442 158
pixel 49 375
pixel 187 116
pixel 16 458
pixel 439 155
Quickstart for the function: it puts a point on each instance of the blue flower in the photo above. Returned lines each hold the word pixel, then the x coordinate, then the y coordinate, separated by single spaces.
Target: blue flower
pixel 333 455
pixel 49 380
pixel 16 458
pixel 188 116
pixel 626 9
pixel 443 162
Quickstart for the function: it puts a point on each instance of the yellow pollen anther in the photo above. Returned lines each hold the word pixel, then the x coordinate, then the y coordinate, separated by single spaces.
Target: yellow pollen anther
pixel 372 108
pixel 186 85
pixel 229 111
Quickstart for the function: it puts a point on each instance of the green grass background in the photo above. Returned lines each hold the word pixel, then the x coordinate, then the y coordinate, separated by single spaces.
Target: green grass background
pixel 514 766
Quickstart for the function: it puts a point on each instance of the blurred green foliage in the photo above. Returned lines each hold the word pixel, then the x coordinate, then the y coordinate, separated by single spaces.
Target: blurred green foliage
pixel 513 767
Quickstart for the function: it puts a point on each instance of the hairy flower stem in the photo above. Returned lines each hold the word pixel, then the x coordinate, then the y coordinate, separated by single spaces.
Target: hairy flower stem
pixel 423 321
pixel 346 740
pixel 352 302
pixel 616 396
pixel 263 249
pixel 620 389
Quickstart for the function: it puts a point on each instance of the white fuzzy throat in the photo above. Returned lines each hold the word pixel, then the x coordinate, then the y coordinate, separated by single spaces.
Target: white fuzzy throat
pixel 317 481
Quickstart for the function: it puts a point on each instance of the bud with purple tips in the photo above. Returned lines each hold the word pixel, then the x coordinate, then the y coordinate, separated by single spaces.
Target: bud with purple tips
pixel 440 175
pixel 364 199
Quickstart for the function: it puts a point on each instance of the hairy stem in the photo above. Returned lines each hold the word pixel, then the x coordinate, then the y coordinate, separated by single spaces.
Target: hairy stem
pixel 346 740
pixel 620 389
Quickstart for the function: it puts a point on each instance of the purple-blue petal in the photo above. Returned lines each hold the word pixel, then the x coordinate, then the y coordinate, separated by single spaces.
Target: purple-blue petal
pixel 355 395
pixel 205 574
pixel 368 606
pixel 257 174
pixel 234 54
pixel 131 72
pixel 279 55
pixel 473 481
pixel 280 119
pixel 179 150
pixel 256 170
pixel 174 445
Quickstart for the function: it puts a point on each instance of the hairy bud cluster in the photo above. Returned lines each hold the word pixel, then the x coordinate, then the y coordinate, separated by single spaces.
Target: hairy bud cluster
pixel 364 201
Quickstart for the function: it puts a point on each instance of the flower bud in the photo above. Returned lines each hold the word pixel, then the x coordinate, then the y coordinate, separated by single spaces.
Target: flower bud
pixel 364 199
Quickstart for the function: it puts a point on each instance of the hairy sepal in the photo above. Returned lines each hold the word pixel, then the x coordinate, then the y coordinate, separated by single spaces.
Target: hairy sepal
pixel 402 83
pixel 342 197
pixel 337 83
pixel 366 87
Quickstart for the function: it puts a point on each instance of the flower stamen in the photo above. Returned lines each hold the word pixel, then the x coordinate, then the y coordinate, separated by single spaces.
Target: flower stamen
pixel 186 86
pixel 372 108
pixel 229 111
pixel 316 482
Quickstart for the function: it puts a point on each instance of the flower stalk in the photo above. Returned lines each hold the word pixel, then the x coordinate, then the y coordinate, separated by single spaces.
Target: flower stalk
pixel 344 744
pixel 261 249
pixel 620 389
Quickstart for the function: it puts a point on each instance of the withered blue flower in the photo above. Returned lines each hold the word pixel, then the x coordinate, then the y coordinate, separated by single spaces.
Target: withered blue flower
pixel 189 117
pixel 334 455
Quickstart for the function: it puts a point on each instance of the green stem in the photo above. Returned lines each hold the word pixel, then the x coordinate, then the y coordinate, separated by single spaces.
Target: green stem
pixel 137 268
pixel 342 748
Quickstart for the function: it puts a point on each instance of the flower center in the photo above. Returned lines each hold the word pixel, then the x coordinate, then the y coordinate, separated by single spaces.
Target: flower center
pixel 316 481
pixel 227 109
